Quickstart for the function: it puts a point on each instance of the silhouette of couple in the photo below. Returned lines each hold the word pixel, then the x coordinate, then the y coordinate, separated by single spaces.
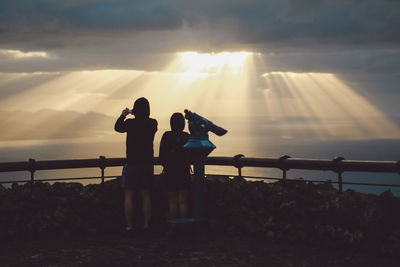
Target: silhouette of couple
pixel 139 153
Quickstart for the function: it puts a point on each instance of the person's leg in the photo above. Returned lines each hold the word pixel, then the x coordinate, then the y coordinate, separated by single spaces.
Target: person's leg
pixel 172 205
pixel 183 203
pixel 146 208
pixel 129 208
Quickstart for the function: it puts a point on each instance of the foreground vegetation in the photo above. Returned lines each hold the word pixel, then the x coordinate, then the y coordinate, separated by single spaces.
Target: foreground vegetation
pixel 291 212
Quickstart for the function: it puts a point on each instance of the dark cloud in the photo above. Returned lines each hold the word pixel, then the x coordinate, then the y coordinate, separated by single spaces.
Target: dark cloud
pixel 249 22
pixel 336 61
pixel 116 15
pixel 294 22
pixel 47 16
pixel 293 35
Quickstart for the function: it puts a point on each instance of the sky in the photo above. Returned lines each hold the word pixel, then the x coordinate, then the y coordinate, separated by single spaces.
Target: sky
pixel 282 76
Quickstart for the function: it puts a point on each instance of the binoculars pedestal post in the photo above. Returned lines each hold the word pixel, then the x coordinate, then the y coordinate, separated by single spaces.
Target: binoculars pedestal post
pixel 199 147
pixel 198 188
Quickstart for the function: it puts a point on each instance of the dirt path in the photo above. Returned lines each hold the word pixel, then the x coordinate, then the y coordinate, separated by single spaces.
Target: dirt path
pixel 164 250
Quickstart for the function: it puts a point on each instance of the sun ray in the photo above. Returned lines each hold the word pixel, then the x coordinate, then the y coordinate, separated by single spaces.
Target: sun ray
pixel 231 88
pixel 329 108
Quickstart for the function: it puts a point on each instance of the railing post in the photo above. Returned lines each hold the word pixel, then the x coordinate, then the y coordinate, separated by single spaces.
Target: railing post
pixel 340 181
pixel 283 168
pixel 337 169
pixel 398 167
pixel 32 169
pixel 102 167
pixel 237 164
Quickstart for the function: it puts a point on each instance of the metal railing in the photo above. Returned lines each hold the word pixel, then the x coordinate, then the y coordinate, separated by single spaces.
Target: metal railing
pixel 285 163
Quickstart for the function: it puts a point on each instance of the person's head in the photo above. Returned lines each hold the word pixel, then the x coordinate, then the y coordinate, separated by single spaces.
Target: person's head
pixel 141 108
pixel 177 122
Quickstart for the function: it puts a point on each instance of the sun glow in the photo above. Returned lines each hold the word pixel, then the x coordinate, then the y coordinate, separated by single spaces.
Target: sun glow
pixel 210 82
pixel 212 63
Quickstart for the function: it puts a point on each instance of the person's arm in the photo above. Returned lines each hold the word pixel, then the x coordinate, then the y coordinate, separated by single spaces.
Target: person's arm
pixel 120 124
pixel 162 153
pixel 155 126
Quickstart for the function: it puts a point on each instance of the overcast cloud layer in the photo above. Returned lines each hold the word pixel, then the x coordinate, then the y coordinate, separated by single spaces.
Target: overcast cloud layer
pixel 250 22
pixel 336 34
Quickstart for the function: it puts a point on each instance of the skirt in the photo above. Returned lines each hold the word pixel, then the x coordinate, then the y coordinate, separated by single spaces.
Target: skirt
pixel 137 176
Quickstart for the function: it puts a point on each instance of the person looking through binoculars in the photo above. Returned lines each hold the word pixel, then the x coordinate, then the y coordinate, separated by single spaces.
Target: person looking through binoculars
pixel 176 165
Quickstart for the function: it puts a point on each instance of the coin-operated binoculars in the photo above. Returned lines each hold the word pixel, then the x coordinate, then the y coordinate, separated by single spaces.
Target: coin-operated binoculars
pixel 198 147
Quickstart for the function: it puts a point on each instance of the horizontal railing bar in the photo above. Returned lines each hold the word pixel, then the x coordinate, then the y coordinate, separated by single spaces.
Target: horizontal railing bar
pixel 56 179
pixel 64 179
pixel 14 166
pixel 264 178
pixel 289 163
pixel 320 181
pixel 314 181
pixel 369 184
pixel 61 179
pixel 318 164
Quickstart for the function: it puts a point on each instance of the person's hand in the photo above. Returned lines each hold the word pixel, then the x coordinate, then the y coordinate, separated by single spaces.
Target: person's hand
pixel 125 112
pixel 188 113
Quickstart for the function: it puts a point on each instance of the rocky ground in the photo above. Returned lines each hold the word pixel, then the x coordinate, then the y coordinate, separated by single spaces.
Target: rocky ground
pixel 172 250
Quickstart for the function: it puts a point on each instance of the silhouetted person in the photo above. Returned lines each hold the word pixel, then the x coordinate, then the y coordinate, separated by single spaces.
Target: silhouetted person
pixel 139 154
pixel 176 166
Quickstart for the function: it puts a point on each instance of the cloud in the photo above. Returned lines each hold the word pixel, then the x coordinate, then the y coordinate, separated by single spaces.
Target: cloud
pixel 293 35
pixel 26 61
pixel 250 22
pixel 117 15
pixel 293 22
pixel 17 54
pixel 384 60
pixel 52 17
